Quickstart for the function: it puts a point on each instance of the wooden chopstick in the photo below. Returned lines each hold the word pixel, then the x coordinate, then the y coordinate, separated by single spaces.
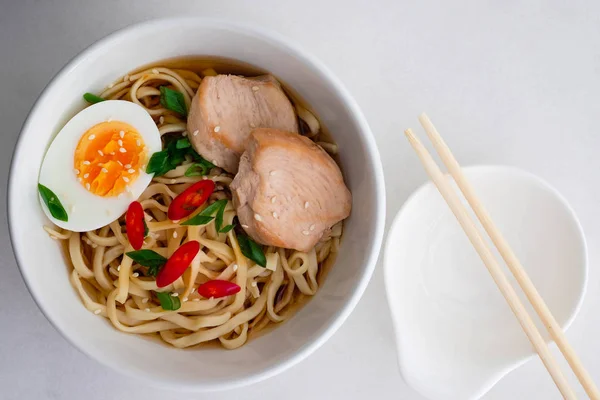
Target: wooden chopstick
pixel 492 265
pixel 511 259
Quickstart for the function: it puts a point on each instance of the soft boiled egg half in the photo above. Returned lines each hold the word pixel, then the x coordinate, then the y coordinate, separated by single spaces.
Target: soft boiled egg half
pixel 96 165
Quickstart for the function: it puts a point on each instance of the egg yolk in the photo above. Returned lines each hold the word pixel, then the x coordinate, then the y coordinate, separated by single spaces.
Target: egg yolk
pixel 108 158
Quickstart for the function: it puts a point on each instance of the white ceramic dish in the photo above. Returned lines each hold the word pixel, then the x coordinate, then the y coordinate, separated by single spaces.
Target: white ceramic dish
pixel 41 260
pixel 456 335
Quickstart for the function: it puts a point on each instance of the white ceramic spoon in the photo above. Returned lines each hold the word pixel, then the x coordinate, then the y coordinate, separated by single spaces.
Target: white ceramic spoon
pixel 456 336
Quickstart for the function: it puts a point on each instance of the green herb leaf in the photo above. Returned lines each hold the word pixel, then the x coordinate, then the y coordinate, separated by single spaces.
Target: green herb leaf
pixel 147 258
pixel 199 168
pixel 159 163
pixel 146 230
pixel 168 302
pixel 205 216
pixel 153 271
pixel 252 250
pixel 172 100
pixel 227 228
pixel 92 98
pixel 53 203
pixel 183 143
pixel 198 220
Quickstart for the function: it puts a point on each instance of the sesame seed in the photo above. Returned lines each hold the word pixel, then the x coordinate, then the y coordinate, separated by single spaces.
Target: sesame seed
pixel 104 170
pixel 120 142
pixel 125 78
pixel 120 163
pixel 195 133
pixel 173 180
pixel 122 150
pixel 312 227
pixel 122 134
pixel 79 179
pixel 196 299
pixel 252 125
pixel 161 120
pixel 147 310
pixel 193 290
pixel 275 215
pixel 184 133
pixel 273 199
pixel 257 217
pixel 175 235
pixel 131 170
pixel 145 300
pixel 174 294
pixel 185 299
pixel 214 162
pixel 175 221
pixel 110 85
pixel 138 142
pixel 253 284
pixel 87 186
pixel 305 233
pixel 245 226
pixel 86 163
pixel 127 166
pixel 100 152
pixel 155 71
pixel 135 274
pixel 119 268
pixel 217 128
pixel 204 177
pixel 76 171
pixel 126 179
pixel 255 88
pixel 306 204
pixel 91 137
pixel 85 176
pixel 112 153
pixel 98 311
pixel 235 267
pixel 272 173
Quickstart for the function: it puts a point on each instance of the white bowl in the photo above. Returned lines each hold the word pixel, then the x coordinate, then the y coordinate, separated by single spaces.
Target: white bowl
pixel 41 260
pixel 456 335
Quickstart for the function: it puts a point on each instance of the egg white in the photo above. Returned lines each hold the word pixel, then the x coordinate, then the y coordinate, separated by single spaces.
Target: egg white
pixel 87 211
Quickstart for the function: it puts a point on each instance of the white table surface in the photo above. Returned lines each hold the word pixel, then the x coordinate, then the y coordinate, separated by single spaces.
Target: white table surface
pixel 506 82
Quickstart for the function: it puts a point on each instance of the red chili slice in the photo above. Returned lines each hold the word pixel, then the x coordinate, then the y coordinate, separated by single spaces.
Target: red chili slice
pixel 190 199
pixel 134 221
pixel 218 288
pixel 177 263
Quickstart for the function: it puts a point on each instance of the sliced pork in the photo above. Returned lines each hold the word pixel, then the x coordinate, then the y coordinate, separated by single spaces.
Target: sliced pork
pixel 288 191
pixel 226 108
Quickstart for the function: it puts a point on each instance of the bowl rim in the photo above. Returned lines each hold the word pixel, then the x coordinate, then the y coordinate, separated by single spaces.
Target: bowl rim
pixel 366 136
pixel 491 168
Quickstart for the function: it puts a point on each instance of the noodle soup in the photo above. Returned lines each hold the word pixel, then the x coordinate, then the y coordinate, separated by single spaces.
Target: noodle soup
pixel 205 276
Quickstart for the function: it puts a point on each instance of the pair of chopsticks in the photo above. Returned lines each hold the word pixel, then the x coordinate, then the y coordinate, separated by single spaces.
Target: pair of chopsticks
pixel 494 268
